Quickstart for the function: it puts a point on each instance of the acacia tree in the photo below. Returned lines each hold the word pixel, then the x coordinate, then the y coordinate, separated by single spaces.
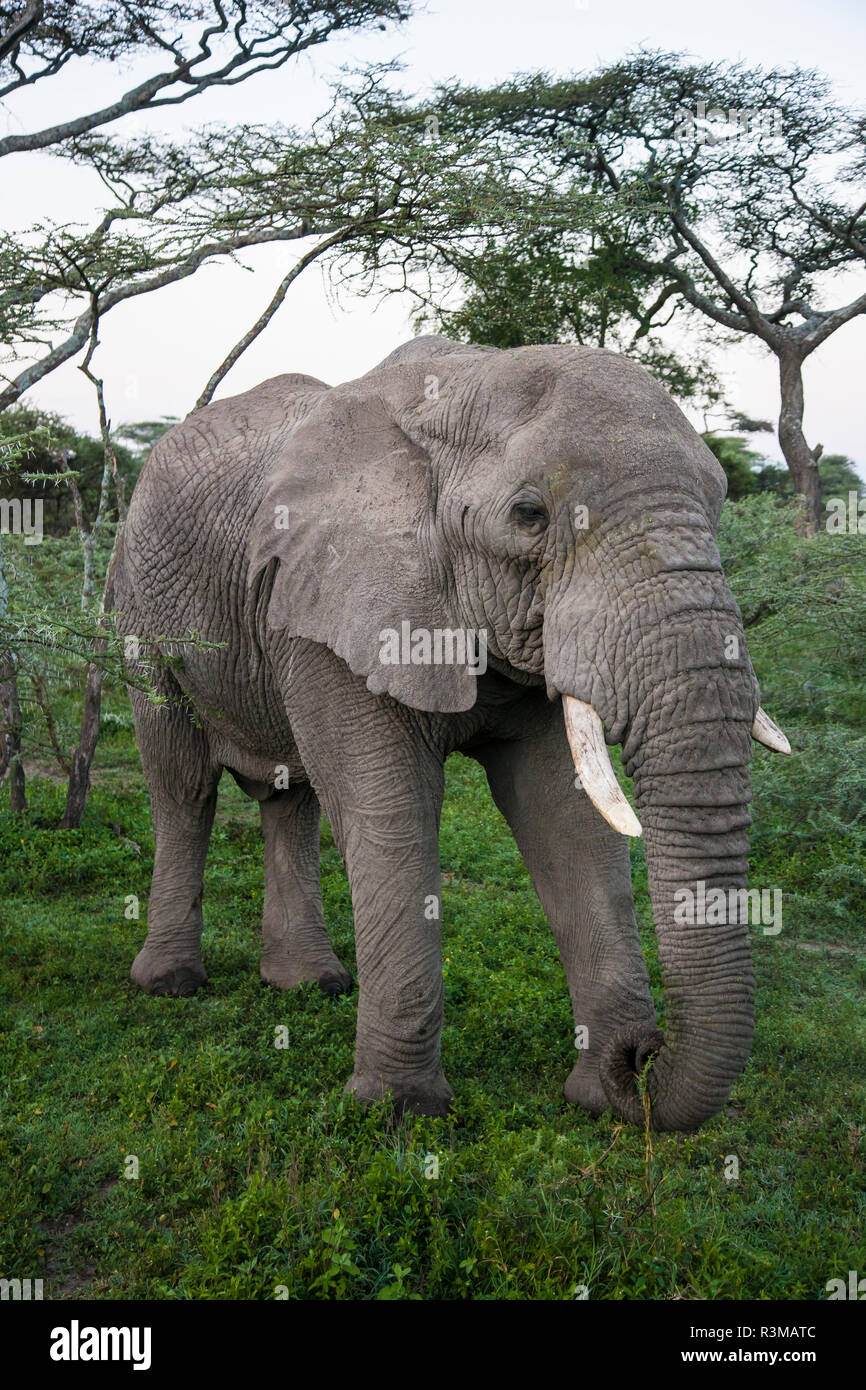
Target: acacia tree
pixel 365 186
pixel 191 46
pixel 154 229
pixel 562 287
pixel 752 183
pixel 58 282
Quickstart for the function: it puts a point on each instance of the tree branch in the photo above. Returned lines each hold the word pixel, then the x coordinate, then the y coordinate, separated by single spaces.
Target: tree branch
pixel 833 319
pixel 749 310
pixel 264 319
pixel 260 53
pixel 172 273
pixel 39 695
pixel 20 27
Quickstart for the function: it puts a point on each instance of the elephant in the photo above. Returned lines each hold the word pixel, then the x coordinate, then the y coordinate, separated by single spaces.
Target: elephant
pixel 297 567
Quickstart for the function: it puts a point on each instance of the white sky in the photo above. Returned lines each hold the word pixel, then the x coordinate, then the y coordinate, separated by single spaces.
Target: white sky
pixel 158 351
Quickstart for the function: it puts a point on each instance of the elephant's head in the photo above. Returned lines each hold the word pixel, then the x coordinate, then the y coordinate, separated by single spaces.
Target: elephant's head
pixel 556 498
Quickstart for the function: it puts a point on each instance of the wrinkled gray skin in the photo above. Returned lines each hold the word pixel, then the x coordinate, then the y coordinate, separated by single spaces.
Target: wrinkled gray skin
pixel 441 488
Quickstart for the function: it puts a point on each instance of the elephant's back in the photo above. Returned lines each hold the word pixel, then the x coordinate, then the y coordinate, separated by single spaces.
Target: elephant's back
pixel 189 517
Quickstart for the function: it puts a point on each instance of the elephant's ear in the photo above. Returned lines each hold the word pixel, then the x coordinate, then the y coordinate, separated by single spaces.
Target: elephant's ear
pixel 347 515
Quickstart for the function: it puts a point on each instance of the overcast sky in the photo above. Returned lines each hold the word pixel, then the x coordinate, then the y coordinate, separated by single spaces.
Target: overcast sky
pixel 159 350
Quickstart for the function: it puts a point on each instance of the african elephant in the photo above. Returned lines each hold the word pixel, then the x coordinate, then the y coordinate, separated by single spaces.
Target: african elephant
pixel 553 504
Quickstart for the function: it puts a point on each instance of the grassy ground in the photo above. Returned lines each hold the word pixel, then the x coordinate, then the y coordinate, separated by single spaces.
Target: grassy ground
pixel 256 1175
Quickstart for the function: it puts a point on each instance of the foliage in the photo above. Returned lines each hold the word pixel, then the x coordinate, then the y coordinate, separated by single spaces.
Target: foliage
pixel 371 188
pixel 804 607
pixel 839 476
pixel 42 622
pixel 738 191
pixel 193 47
pixel 784 188
pixel 55 447
pixel 169 209
pixel 745 469
pixel 805 595
pixel 566 288
pixel 748 472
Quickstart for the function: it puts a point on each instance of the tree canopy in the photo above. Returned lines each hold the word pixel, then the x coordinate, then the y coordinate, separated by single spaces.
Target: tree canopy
pixel 749 185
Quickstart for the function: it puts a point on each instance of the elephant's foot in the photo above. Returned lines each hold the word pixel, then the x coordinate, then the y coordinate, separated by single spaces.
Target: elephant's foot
pixel 584 1088
pixel 281 973
pixel 428 1096
pixel 165 971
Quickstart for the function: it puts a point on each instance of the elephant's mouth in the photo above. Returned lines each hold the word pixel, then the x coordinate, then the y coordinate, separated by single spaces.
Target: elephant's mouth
pixel 514 673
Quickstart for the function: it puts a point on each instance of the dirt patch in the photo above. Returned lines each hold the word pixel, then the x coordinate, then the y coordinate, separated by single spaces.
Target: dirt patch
pixel 816 947
pixel 75 1282
pixel 49 772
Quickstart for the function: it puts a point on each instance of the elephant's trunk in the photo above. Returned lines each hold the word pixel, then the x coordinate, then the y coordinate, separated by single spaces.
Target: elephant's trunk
pixel 707 969
pixel 675 685
pixel 688 749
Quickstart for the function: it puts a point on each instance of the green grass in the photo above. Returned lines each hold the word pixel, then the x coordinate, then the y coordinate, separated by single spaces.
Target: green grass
pixel 256 1174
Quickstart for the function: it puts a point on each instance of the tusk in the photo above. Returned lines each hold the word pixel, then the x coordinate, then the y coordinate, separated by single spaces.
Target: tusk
pixel 766 732
pixel 594 768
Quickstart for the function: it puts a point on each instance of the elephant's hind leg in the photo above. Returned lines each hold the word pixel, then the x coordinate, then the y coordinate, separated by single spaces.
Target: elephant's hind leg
pixel 182 777
pixel 295 945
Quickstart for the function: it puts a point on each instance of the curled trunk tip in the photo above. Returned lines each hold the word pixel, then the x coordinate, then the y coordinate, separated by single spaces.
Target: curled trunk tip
pixel 621 1064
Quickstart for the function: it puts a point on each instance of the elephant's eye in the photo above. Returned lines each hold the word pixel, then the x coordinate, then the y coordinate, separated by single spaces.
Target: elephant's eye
pixel 529 516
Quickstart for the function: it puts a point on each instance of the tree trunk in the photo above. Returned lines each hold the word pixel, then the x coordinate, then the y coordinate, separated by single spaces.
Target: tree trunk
pixel 10 734
pixel 801 460
pixel 10 714
pixel 79 781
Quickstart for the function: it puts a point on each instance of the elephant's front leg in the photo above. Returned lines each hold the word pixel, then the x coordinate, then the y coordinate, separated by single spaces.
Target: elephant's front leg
pixel 581 872
pixel 380 785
